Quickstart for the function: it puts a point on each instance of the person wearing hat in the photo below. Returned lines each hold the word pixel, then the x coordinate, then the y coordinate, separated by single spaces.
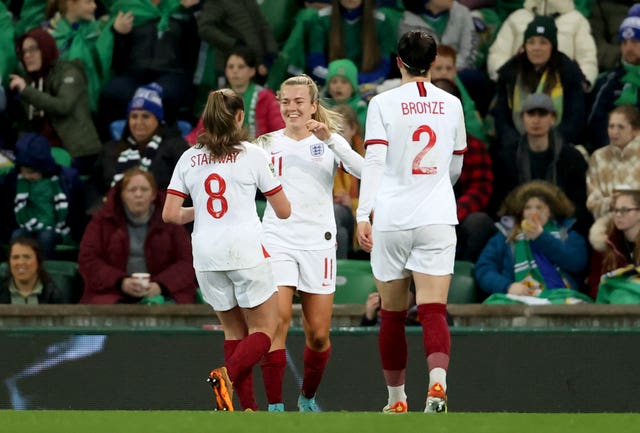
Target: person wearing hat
pixel 145 143
pixel 55 98
pixel 621 85
pixel 342 88
pixel 541 153
pixel 540 68
pixel 574 36
pixel 43 193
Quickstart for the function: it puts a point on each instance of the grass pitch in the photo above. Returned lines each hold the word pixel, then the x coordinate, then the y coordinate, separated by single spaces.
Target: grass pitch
pixel 293 422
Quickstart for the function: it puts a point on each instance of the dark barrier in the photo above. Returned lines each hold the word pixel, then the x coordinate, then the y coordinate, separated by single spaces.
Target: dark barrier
pixel 529 371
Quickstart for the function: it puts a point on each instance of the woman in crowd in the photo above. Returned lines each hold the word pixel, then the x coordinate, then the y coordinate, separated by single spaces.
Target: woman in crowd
pixel 616 240
pixel 305 155
pixel 234 276
pixel 535 249
pixel 27 282
pixel 127 236
pixel 617 163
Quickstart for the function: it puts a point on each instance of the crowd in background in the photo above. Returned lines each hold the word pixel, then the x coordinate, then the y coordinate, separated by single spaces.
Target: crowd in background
pixel 99 99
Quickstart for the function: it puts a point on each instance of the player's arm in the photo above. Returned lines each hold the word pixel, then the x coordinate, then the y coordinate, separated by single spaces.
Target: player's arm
pixel 280 204
pixel 371 174
pixel 173 212
pixel 351 160
pixel 460 148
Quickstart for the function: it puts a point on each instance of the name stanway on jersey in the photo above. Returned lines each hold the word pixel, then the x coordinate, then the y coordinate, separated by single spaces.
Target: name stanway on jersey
pixel 227 234
pixel 306 169
pixel 423 126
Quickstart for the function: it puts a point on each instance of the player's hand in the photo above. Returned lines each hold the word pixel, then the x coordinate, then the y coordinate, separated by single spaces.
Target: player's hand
pixel 123 23
pixel 132 287
pixel 365 237
pixel 318 129
pixel 17 83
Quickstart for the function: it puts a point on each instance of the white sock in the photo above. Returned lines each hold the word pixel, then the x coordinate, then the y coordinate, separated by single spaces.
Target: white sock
pixel 438 375
pixel 396 393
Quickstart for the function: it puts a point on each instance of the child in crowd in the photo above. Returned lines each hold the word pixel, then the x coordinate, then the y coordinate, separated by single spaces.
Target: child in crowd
pixel 342 88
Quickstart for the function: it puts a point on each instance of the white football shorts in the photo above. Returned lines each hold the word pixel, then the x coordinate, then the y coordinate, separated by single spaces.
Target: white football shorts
pixel 428 249
pixel 246 288
pixel 308 271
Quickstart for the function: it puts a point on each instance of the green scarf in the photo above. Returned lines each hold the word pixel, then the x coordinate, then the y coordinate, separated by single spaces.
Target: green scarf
pixel 32 205
pixel 631 84
pixel 621 286
pixel 91 42
pixel 250 98
pixel 526 268
pixel 520 93
pixel 144 11
pixel 8 59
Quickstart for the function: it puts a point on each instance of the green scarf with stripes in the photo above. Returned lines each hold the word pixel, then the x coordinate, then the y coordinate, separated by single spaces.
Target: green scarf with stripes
pixel 32 205
pixel 631 84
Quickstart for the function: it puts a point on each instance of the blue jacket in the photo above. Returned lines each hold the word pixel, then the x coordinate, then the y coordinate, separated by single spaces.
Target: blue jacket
pixel 494 268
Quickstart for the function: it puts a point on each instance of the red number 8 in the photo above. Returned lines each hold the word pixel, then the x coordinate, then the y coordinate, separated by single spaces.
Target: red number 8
pixel 216 195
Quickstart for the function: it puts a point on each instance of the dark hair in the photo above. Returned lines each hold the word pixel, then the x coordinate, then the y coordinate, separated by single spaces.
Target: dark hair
pixel 531 77
pixel 368 37
pixel 221 135
pixel 245 53
pixel 610 256
pixel 631 112
pixel 448 86
pixel 417 50
pixel 32 243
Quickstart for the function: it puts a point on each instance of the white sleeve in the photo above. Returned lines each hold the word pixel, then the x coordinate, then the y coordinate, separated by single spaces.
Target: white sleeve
pixel 374 162
pixel 266 180
pixel 459 149
pixel 177 184
pixel 351 160
pixel 455 169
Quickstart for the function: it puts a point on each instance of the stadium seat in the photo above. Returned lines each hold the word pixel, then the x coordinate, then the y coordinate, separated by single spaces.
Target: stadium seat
pixel 64 274
pixel 61 156
pixel 354 282
pixel 116 128
pixel 463 286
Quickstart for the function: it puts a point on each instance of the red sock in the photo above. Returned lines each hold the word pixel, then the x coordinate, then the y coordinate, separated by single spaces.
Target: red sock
pixel 247 354
pixel 273 365
pixel 435 334
pixel 244 386
pixel 314 366
pixel 392 344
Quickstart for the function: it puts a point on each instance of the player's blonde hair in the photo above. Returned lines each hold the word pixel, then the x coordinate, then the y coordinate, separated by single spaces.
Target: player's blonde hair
pixel 222 135
pixel 324 115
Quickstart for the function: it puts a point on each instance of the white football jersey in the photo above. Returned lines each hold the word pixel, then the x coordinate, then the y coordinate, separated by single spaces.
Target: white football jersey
pixel 306 169
pixel 227 234
pixel 422 127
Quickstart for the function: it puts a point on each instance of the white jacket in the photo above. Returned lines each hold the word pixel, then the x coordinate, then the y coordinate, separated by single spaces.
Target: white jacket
pixel 574 36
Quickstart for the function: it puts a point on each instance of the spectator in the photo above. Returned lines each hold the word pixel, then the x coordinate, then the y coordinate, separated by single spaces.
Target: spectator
pixel 46 197
pixel 574 36
pixel 535 250
pixel 606 17
pixel 228 24
pixel 128 236
pixel 448 21
pixel 27 282
pixel 472 191
pixel 620 86
pixel 262 113
pixel 351 29
pixel 445 67
pixel 618 163
pixel 79 35
pixel 146 143
pixel 540 68
pixel 346 187
pixel 616 241
pixel 161 47
pixel 342 89
pixel 541 153
pixel 55 98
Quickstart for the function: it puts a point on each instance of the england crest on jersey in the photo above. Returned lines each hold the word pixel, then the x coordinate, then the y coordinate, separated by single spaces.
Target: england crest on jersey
pixel 316 149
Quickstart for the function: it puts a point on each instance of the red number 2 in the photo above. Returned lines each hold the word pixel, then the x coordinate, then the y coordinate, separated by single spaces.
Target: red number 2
pixel 416 168
pixel 216 195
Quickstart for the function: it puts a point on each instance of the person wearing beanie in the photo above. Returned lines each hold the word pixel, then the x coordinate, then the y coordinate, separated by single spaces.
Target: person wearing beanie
pixel 55 98
pixel 574 37
pixel 146 142
pixel 342 88
pixel 605 19
pixel 621 85
pixel 540 68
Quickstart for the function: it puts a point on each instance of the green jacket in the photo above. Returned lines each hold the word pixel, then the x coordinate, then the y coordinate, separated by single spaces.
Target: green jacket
pixel 65 101
pixel 7 39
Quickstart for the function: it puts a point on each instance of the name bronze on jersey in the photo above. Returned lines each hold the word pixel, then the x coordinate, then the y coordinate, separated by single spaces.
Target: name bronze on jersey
pixel 422 107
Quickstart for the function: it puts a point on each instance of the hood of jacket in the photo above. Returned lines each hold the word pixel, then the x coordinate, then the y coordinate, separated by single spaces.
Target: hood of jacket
pixel 598 233
pixel 549 7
